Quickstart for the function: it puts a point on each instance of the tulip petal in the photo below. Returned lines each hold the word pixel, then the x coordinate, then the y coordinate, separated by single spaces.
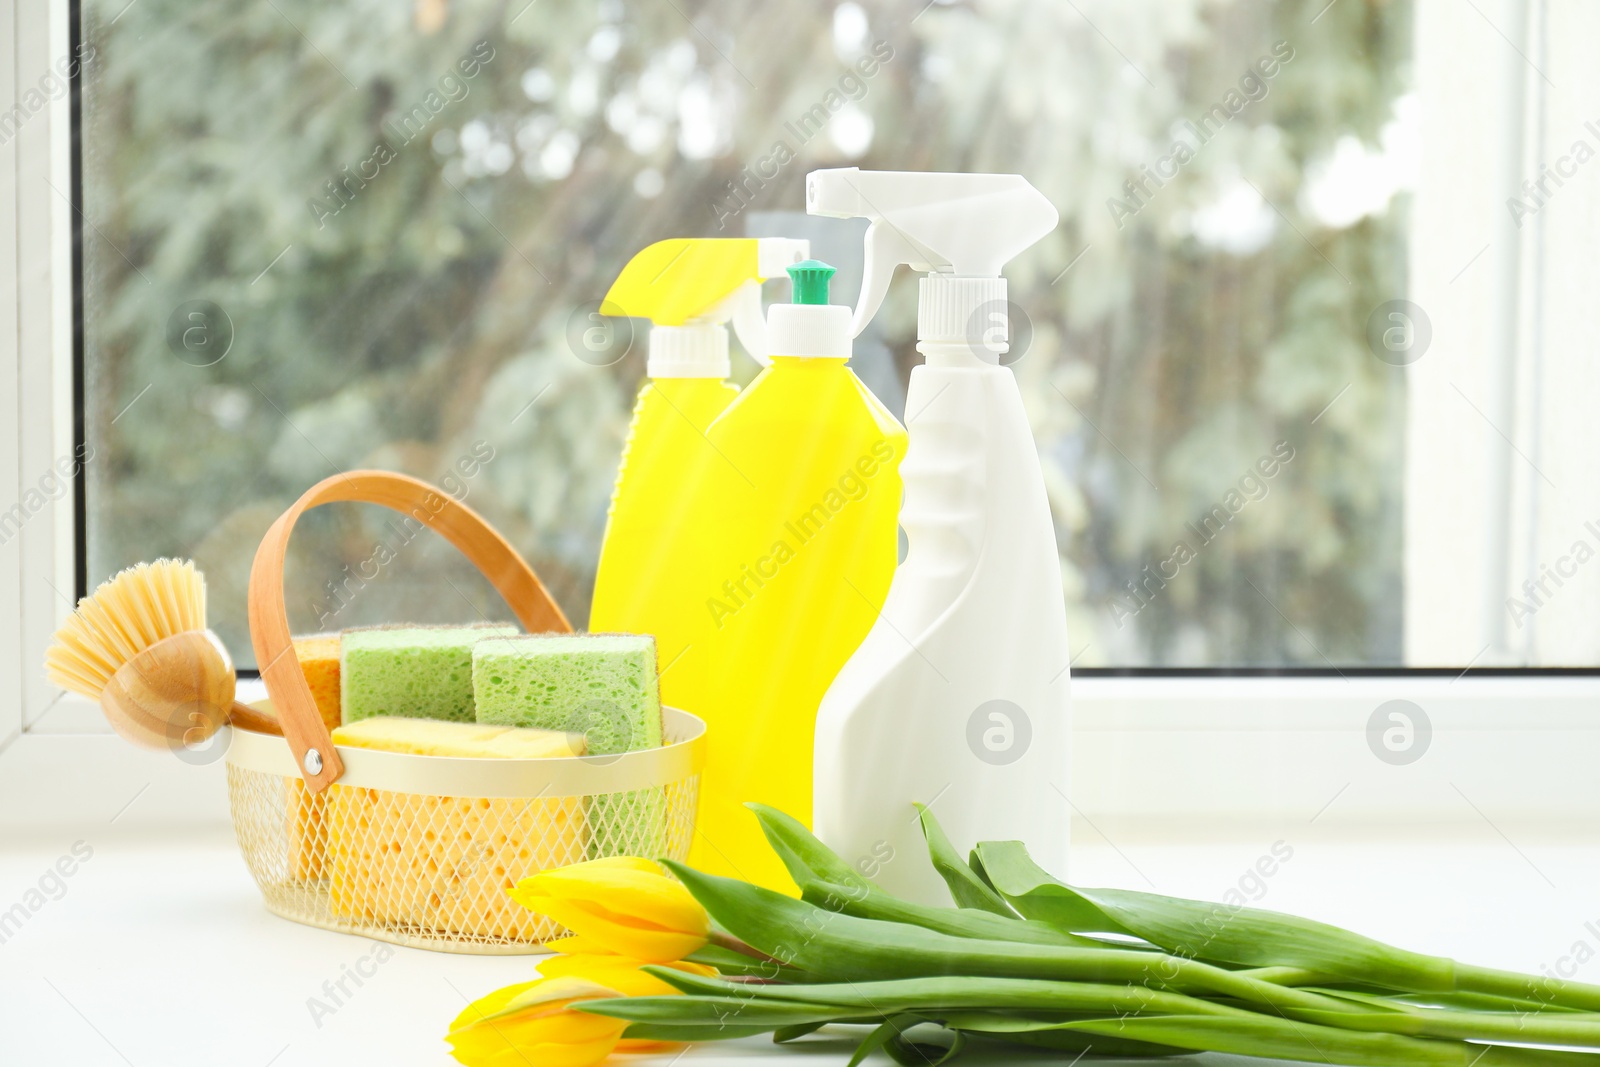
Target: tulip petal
pixel 533 1022
pixel 651 900
pixel 574 944
pixel 516 1031
pixel 639 1044
pixel 530 1003
pixel 490 1005
pixel 623 905
pixel 603 930
pixel 556 993
pixel 617 972
pixel 603 910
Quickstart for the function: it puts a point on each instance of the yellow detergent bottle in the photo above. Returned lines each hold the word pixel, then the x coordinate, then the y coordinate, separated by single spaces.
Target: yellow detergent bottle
pixel 797 545
pixel 688 289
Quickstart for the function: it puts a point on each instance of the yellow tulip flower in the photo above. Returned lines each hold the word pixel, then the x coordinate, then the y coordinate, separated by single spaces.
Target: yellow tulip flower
pixel 623 975
pixel 533 1023
pixel 618 972
pixel 623 905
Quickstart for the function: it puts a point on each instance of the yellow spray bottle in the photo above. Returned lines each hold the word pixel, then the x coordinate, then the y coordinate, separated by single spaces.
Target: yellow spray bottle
pixel 794 545
pixel 688 289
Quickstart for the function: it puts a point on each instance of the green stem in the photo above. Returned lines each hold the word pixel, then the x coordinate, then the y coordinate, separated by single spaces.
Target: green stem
pixel 1013 995
pixel 1295 976
pixel 1388 999
pixel 1476 1002
pixel 731 962
pixel 1003 1008
pixel 1537 989
pixel 1556 1028
pixel 1502 1056
pixel 839 946
pixel 873 903
pixel 723 939
pixel 923 994
pixel 1268 1036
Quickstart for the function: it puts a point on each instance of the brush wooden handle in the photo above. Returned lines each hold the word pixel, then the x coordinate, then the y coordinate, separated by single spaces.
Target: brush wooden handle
pixel 174 693
pixel 177 693
pixel 269 620
pixel 247 718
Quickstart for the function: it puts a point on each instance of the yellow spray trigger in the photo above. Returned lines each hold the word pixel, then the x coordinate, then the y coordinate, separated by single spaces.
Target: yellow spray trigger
pixel 704 282
pixel 674 282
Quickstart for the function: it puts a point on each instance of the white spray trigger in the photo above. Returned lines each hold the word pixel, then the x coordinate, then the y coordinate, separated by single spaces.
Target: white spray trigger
pixel 886 249
pixel 963 225
pixel 742 307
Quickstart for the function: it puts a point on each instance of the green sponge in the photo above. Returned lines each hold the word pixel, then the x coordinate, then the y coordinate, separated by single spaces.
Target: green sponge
pixel 419 672
pixel 601 685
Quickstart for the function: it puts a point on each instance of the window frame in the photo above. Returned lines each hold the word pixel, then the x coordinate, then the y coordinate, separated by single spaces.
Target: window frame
pixel 41 355
pixel 1225 741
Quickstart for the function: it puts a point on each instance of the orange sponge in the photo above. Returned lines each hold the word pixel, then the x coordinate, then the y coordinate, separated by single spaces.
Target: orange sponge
pixel 319 659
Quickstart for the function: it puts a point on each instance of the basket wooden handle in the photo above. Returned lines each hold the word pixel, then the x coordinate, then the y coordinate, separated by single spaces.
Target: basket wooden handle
pixel 269 619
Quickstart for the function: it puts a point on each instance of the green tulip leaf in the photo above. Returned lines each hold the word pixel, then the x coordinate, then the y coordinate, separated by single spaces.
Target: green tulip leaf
pixel 890 1030
pixel 784 1034
pixel 828 882
pixel 958 922
pixel 834 945
pixel 911 1053
pixel 806 858
pixel 966 888
pixel 689 1034
pixel 1194 929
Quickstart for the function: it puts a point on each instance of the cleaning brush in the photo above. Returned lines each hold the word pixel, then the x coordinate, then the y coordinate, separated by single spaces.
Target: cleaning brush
pixel 139 645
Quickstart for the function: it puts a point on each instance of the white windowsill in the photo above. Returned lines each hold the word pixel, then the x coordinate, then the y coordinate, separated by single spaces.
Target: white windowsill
pixel 190 969
pixel 1153 757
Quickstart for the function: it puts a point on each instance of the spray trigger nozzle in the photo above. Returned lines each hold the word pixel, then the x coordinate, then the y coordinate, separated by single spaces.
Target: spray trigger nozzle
pixel 703 283
pixel 961 225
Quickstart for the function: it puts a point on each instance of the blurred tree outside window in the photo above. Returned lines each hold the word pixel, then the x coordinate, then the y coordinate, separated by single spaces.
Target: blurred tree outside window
pixel 329 235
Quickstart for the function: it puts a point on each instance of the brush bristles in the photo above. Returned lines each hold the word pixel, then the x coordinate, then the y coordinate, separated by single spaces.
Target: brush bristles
pixel 126 615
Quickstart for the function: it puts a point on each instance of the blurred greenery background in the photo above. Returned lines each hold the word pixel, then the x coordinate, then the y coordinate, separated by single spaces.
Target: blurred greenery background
pixel 396 299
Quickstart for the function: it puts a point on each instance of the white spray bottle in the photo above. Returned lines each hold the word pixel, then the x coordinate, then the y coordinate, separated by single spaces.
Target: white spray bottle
pixel 958 697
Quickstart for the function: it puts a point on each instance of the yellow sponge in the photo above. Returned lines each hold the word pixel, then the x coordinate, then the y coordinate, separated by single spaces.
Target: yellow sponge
pixel 446 863
pixel 435 737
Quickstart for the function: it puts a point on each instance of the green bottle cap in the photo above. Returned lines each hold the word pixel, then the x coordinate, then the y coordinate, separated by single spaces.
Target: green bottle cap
pixel 809 281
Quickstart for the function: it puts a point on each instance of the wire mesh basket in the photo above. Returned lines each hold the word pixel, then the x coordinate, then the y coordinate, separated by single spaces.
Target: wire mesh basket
pixel 421 850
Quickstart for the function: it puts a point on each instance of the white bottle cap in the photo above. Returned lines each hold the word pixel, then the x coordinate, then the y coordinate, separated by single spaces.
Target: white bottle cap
pixel 810 326
pixel 698 350
pixel 970 311
pixel 817 331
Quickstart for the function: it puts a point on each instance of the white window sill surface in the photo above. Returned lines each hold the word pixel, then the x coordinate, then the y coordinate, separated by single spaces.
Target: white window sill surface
pixel 1162 756
pixel 159 950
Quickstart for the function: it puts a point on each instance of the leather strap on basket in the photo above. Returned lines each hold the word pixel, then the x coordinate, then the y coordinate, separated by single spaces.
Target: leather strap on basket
pixel 269 619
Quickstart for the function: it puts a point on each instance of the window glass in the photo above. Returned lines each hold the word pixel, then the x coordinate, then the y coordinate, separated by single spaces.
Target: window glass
pixel 323 236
